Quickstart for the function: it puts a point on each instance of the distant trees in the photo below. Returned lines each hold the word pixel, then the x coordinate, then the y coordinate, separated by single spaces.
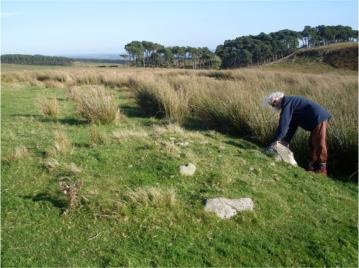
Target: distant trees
pixel 239 52
pixel 262 48
pixel 323 35
pixel 258 49
pixel 35 59
pixel 148 54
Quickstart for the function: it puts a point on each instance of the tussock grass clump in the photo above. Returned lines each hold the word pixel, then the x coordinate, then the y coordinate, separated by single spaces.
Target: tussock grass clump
pixel 72 93
pixel 96 136
pixel 124 134
pixel 61 143
pixel 20 152
pixel 72 168
pixel 97 105
pixel 49 107
pixel 163 98
pixel 53 84
pixel 51 164
pixel 168 128
pixel 221 75
pixel 151 196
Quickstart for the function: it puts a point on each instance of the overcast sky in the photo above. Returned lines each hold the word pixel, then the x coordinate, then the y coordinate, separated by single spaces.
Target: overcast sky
pixel 85 26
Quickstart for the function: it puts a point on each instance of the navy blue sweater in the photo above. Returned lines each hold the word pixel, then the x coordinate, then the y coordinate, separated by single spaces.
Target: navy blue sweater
pixel 299 112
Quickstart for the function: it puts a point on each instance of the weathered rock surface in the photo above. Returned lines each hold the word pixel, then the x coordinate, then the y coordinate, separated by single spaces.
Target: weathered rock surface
pixel 282 153
pixel 188 169
pixel 226 208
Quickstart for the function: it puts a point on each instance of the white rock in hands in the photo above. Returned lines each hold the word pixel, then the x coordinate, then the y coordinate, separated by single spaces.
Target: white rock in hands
pixel 188 169
pixel 226 208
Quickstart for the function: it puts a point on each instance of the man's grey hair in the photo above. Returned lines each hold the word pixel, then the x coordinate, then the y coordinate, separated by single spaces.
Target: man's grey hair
pixel 272 97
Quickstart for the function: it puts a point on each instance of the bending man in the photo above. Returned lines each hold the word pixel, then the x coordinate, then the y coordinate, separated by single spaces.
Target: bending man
pixel 297 112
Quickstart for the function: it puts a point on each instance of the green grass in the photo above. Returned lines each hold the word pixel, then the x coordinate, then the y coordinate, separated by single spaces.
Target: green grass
pixel 300 219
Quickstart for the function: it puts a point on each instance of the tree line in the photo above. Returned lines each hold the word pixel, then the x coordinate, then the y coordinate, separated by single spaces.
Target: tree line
pixel 262 48
pixel 35 59
pixel 239 52
pixel 149 54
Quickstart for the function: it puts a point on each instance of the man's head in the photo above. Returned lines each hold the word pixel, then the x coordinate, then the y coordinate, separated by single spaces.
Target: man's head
pixel 274 100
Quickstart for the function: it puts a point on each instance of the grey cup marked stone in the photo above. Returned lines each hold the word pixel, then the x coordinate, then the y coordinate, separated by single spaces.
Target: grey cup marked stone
pixel 226 208
pixel 282 153
pixel 188 169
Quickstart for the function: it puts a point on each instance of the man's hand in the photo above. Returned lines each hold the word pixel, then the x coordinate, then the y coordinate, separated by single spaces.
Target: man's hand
pixel 284 143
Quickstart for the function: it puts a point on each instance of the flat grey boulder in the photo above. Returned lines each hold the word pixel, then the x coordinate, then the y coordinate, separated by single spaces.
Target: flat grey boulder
pixel 226 208
pixel 282 153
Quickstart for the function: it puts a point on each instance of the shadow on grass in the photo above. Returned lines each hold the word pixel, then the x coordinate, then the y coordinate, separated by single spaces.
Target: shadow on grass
pixel 27 115
pixel 81 145
pixel 132 111
pixel 65 121
pixel 46 197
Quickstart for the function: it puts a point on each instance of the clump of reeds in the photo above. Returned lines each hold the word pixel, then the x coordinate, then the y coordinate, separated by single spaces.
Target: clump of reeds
pixel 97 105
pixel 49 107
pixel 159 98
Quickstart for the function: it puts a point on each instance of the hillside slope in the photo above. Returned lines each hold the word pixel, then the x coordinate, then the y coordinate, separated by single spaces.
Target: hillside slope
pixel 344 55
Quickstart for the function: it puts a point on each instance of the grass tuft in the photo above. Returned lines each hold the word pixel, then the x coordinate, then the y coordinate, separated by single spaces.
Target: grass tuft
pixel 20 152
pixel 152 196
pixel 96 136
pixel 97 105
pixel 61 142
pixel 50 107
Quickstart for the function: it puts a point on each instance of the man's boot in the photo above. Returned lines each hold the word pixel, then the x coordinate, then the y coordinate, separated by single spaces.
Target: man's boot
pixel 322 169
pixel 310 167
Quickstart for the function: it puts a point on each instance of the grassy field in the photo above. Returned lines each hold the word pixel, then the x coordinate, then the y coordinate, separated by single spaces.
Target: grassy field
pixel 129 204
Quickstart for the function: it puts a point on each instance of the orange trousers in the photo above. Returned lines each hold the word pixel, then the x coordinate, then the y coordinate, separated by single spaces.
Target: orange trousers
pixel 318 145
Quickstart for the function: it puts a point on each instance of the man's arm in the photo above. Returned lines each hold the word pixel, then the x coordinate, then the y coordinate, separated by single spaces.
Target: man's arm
pixel 284 121
pixel 292 129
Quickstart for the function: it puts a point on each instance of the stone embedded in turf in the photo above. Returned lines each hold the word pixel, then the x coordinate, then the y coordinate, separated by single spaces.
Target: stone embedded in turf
pixel 188 169
pixel 226 208
pixel 282 153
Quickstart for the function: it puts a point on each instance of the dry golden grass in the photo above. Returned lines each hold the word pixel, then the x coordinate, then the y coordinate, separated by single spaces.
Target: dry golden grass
pixel 97 105
pixel 49 107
